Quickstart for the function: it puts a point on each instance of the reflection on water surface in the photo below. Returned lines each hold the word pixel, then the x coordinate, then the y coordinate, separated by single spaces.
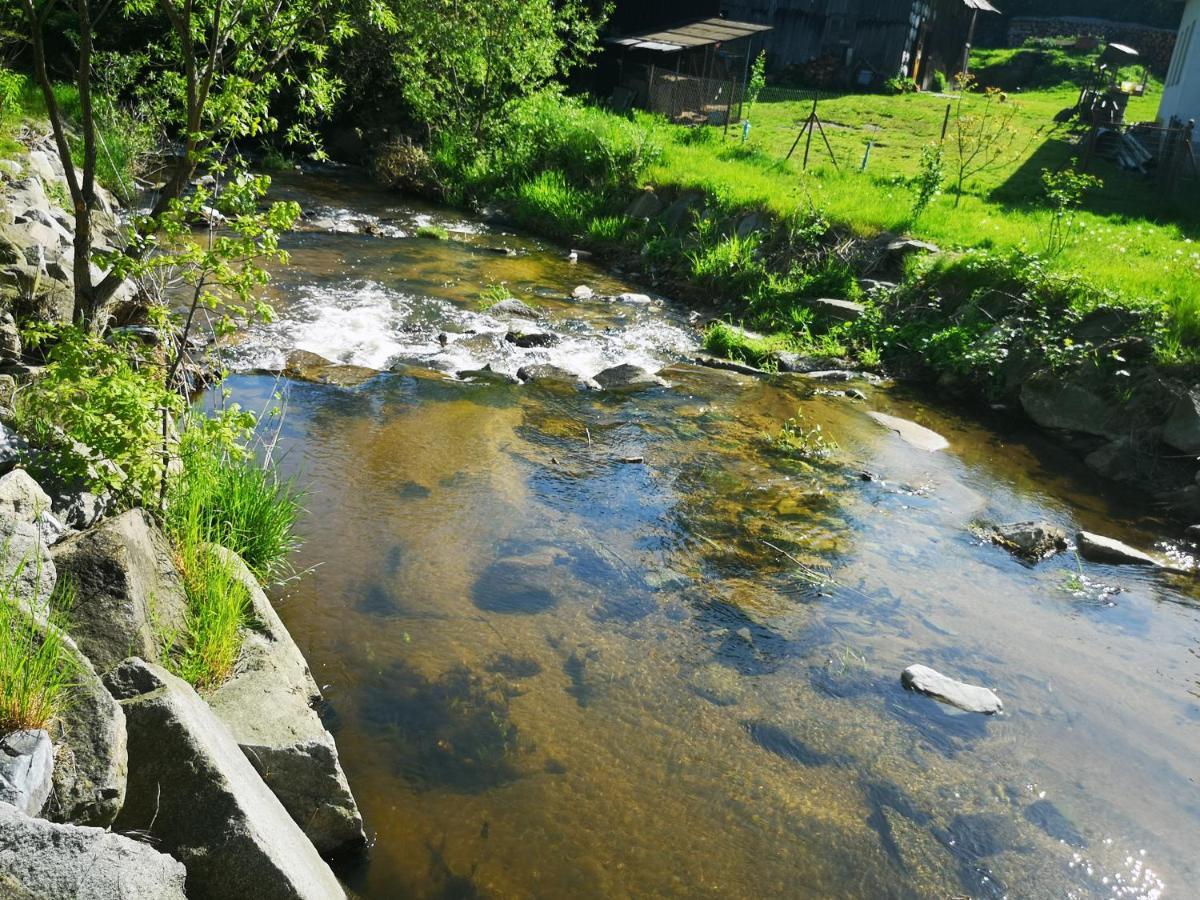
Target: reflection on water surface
pixel 553 673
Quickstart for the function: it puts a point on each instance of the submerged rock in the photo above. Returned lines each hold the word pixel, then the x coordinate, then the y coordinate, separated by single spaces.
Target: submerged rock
pixel 548 374
pixel 529 340
pixel 193 791
pixel 269 706
pixel 968 697
pixel 1030 540
pixel 797 362
pixel 1099 549
pixel 487 375
pixel 305 366
pixel 40 860
pixel 128 593
pixel 911 433
pixel 26 770
pixel 512 307
pixel 626 377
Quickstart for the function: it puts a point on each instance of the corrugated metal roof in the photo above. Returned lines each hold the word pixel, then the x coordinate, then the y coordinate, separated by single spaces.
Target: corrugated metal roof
pixel 701 33
pixel 981 5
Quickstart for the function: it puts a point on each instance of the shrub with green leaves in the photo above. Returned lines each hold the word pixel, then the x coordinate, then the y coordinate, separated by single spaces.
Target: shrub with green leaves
pixel 104 395
pixel 1063 194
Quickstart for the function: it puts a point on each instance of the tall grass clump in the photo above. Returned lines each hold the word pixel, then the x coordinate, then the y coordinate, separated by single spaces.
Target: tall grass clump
pixel 218 608
pixel 225 496
pixel 36 670
pixel 550 201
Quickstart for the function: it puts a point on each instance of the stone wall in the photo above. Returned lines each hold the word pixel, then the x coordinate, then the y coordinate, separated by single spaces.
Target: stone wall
pixel 1154 44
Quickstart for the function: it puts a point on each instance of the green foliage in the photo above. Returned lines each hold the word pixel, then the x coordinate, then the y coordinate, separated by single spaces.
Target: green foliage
pixel 37 673
pixel 897 85
pixel 492 294
pixel 939 81
pixel 101 395
pixel 982 136
pixel 797 440
pixel 461 64
pixel 729 342
pixel 1064 192
pixel 551 201
pixel 225 496
pixel 436 232
pixel 928 181
pixel 728 261
pixel 610 229
pixel 218 608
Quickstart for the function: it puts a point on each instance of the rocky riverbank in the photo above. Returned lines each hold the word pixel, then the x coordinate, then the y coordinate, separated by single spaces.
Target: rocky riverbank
pixel 140 787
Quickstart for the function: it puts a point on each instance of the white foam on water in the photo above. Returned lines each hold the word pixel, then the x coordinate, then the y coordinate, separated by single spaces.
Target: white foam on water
pixel 365 323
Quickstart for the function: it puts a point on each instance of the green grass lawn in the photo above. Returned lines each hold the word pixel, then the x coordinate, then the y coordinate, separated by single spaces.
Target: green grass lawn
pixel 1131 238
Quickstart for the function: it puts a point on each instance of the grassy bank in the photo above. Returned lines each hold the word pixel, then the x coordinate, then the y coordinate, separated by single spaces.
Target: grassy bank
pixel 571 170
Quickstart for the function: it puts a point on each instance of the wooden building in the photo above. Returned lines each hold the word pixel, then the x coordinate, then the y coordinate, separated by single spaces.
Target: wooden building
pixel 866 41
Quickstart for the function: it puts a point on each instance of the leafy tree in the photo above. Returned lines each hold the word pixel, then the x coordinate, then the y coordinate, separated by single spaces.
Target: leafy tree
pixel 1063 194
pixel 217 64
pixel 927 183
pixel 984 134
pixel 462 63
pixel 757 81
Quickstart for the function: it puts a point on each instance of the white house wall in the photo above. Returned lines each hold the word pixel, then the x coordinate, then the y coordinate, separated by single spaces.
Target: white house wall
pixel 1181 94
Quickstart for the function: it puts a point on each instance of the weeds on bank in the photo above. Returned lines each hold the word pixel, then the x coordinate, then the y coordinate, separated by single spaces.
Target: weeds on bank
pixel 37 672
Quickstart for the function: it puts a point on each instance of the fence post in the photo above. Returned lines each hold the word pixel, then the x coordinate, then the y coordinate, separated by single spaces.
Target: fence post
pixel 650 90
pixel 729 108
pixel 946 122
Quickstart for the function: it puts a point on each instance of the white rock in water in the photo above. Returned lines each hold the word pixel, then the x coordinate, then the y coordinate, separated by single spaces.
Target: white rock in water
pixel 1099 549
pixel 969 697
pixel 583 292
pixel 912 433
pixel 635 298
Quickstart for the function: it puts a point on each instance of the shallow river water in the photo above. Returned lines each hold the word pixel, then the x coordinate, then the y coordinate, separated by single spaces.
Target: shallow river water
pixel 553 673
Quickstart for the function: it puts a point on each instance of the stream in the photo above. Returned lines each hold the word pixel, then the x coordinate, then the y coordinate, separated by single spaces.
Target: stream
pixel 553 672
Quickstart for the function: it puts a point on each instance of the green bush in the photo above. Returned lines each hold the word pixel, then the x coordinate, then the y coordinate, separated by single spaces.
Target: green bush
pixel 101 395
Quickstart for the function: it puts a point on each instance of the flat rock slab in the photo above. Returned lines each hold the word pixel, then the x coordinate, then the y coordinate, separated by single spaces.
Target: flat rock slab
pixel 911 433
pixel 626 377
pixel 26 770
pixel 41 860
pixel 268 705
pixel 193 790
pixel 1099 549
pixel 968 697
pixel 305 366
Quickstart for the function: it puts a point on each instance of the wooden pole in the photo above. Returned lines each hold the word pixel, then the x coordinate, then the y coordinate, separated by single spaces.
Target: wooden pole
pixel 966 63
pixel 946 122
pixel 812 116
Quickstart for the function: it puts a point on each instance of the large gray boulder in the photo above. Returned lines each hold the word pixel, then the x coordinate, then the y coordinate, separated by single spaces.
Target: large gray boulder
pixel 26 770
pixel 1055 403
pixel 26 565
pixel 45 861
pixel 192 790
pixel 1183 427
pixel 21 497
pixel 268 704
pixel 128 592
pixel 91 757
pixel 968 697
